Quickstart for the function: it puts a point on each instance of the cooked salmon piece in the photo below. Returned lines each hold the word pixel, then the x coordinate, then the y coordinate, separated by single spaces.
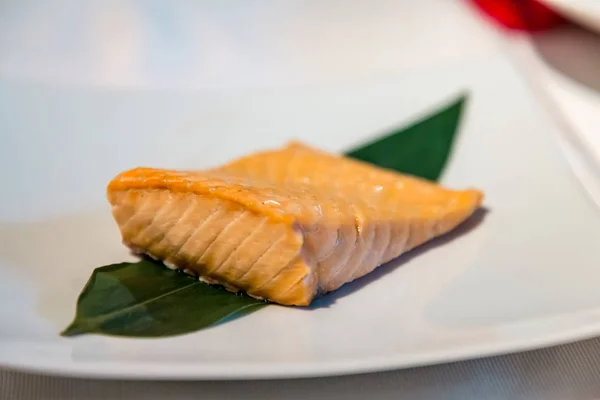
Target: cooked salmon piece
pixel 285 225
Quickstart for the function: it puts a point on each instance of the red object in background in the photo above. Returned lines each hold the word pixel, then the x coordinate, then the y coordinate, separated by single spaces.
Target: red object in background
pixel 525 15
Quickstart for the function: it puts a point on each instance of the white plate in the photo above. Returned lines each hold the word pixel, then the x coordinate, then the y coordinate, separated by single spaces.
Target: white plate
pixel 523 276
pixel 586 12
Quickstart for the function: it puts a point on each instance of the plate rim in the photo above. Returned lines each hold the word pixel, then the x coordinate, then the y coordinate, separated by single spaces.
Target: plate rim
pixel 214 371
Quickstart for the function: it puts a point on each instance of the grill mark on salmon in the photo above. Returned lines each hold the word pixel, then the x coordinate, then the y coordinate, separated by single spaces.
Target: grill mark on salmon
pixel 340 257
pixel 286 225
pixel 276 274
pixel 247 239
pixel 262 269
pixel 237 271
pixel 359 253
pixel 169 222
pixel 189 244
pixel 176 235
pixel 370 253
pixel 262 255
pixel 132 225
pixel 209 250
pixel 241 230
pixel 184 237
pixel 150 233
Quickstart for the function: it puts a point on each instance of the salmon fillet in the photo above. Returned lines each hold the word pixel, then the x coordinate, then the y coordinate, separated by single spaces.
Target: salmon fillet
pixel 285 225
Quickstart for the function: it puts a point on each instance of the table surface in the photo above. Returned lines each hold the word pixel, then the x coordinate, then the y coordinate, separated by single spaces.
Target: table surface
pixel 216 46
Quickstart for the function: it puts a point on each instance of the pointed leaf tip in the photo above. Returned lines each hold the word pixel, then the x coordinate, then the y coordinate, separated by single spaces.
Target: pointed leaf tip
pixel 72 330
pixel 422 149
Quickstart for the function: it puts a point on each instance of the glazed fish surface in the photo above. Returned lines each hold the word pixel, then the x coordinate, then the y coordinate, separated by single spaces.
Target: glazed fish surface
pixel 285 225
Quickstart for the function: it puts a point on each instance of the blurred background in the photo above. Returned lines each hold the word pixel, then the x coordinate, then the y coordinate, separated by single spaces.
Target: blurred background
pixel 227 45
pixel 224 44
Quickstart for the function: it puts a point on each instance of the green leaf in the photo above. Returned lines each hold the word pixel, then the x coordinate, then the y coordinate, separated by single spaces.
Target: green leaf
pixel 421 149
pixel 146 299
